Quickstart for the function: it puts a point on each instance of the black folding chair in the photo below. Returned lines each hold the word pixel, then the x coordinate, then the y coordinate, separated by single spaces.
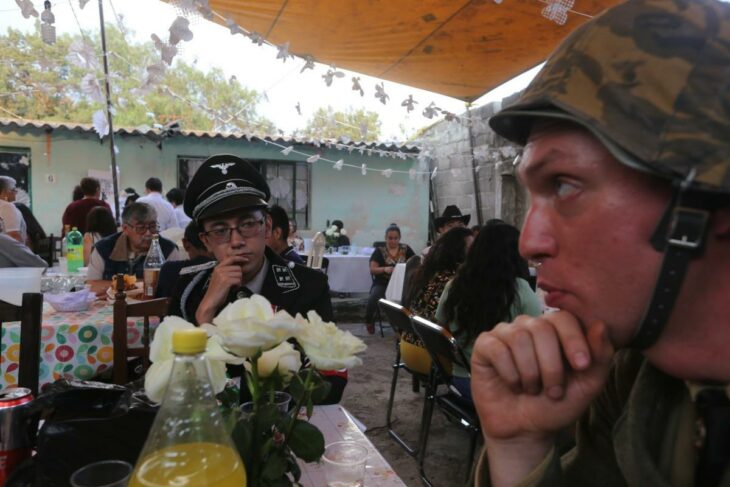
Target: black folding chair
pixel 445 352
pixel 400 319
pixel 30 315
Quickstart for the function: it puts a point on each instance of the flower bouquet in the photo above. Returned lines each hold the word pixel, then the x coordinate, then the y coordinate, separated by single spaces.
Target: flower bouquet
pixel 248 331
pixel 332 236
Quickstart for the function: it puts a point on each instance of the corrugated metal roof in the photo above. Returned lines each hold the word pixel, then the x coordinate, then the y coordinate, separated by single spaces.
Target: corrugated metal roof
pixel 202 134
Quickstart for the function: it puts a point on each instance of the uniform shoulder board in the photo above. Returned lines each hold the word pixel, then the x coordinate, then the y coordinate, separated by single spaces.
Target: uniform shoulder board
pixel 284 277
pixel 192 269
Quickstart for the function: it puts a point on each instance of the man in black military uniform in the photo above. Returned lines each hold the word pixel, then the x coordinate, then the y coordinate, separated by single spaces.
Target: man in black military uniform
pixel 227 197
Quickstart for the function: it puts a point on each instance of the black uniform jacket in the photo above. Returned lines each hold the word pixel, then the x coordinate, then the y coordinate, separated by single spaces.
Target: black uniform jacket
pixel 288 286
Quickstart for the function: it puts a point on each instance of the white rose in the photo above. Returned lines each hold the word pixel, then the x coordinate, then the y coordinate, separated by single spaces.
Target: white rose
pixel 158 375
pixel 284 357
pixel 250 324
pixel 343 232
pixel 328 347
pixel 329 232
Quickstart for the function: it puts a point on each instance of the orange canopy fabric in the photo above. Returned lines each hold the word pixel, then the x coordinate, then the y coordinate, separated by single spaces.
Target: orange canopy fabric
pixel 457 48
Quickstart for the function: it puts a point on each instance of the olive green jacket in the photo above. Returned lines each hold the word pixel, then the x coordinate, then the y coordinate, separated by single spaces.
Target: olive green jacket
pixel 627 437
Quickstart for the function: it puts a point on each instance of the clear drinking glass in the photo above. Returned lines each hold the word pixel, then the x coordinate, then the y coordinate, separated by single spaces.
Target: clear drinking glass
pixel 107 473
pixel 344 464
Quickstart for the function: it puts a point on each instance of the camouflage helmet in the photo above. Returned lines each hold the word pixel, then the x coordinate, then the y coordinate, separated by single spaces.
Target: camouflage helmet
pixel 651 80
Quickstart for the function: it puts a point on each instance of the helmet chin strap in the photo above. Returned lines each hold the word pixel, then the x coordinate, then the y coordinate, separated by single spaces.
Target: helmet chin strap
pixel 681 234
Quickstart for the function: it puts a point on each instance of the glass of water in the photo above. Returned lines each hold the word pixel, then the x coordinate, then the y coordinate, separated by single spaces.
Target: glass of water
pixel 344 463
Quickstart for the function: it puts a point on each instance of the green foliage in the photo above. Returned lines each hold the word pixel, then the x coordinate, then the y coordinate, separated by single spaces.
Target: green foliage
pixel 326 124
pixel 45 85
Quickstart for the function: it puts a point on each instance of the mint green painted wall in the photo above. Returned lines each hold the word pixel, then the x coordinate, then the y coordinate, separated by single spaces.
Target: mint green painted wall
pixel 366 204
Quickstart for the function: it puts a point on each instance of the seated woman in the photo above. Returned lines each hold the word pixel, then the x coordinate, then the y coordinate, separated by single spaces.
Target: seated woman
pixel 342 238
pixel 426 286
pixel 99 224
pixel 486 290
pixel 382 263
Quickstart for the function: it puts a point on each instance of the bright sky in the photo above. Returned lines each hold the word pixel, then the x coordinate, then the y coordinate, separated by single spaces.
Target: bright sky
pixel 256 66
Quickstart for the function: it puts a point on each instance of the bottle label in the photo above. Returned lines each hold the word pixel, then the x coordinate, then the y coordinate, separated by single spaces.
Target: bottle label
pixel 75 257
pixel 151 276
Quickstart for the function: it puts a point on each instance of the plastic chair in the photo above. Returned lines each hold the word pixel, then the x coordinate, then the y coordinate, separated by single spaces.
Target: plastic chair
pixel 30 315
pixel 400 320
pixel 444 352
pixel 122 311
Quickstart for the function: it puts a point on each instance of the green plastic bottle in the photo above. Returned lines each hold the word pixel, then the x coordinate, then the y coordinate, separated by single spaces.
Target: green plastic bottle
pixel 75 249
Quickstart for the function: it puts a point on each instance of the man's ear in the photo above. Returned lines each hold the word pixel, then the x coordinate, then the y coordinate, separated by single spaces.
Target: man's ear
pixel 276 233
pixel 267 227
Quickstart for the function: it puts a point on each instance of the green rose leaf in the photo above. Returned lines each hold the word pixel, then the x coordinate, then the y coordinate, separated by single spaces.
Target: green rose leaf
pixel 296 387
pixel 294 467
pixel 320 393
pixel 306 441
pixel 275 466
pixel 243 439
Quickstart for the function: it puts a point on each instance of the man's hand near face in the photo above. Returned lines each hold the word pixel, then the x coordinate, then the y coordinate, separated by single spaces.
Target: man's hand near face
pixel 226 275
pixel 530 379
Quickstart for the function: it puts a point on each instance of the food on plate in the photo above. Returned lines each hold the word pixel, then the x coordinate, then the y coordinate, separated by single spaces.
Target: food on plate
pixel 130 282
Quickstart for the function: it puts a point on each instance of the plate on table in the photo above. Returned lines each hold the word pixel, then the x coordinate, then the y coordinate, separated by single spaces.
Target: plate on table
pixel 136 292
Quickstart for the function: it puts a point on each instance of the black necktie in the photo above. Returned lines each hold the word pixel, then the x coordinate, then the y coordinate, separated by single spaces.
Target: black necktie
pixel 713 410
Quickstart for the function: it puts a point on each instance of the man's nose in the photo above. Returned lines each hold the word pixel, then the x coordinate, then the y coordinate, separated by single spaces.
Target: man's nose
pixel 537 239
pixel 236 239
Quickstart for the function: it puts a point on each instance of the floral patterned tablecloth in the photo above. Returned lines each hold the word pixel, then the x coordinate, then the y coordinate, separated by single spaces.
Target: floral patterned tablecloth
pixel 73 345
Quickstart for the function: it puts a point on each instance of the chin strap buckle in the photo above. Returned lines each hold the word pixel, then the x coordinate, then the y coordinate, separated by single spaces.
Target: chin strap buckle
pixel 688 228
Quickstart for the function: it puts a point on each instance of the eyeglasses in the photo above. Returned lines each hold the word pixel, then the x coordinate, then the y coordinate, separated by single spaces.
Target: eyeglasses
pixel 142 229
pixel 246 229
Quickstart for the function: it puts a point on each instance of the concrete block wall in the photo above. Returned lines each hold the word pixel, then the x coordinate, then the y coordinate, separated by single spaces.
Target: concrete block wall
pixel 455 153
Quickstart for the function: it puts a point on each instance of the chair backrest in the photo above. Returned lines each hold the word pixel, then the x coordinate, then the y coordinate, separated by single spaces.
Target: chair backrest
pixel 316 251
pixel 30 315
pixel 411 265
pixel 441 346
pixel 122 311
pixel 398 316
pixel 379 243
pixel 48 248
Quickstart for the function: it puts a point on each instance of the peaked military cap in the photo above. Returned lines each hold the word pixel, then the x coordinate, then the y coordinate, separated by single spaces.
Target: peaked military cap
pixel 650 79
pixel 222 184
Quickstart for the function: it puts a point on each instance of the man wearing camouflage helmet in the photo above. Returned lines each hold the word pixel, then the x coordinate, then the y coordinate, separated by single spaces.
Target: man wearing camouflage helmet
pixel 627 162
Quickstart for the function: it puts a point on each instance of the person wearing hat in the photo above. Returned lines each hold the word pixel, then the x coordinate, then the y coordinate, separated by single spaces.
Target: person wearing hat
pixel 450 218
pixel 627 162
pixel 228 198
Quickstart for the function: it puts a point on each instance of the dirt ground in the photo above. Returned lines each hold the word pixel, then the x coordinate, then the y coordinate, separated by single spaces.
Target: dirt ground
pixel 366 396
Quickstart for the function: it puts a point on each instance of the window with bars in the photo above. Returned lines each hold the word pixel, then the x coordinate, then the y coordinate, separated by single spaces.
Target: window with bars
pixel 289 183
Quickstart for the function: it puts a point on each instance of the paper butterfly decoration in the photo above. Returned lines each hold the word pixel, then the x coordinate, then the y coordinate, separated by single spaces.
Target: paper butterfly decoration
pixel 308 63
pixel 356 85
pixel 408 103
pixel 283 53
pixel 288 150
pixel 101 126
pixel 167 51
pixel 387 173
pixel 557 10
pixel 338 165
pixel 26 8
pixel 256 38
pixel 364 169
pixel 82 55
pixel 313 159
pixel 233 26
pixel 82 3
pixel 204 9
pixel 180 31
pixel 330 75
pixel 380 93
pixel 431 110
pixel 449 116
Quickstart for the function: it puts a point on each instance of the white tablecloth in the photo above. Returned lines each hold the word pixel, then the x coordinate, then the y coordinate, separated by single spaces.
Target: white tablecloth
pixel 337 424
pixel 394 291
pixel 349 273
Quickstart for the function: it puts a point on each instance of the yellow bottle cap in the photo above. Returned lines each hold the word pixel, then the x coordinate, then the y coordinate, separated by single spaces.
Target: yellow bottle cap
pixel 189 342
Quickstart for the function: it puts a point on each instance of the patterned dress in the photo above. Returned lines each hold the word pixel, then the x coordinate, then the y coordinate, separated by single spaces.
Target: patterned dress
pixel 424 304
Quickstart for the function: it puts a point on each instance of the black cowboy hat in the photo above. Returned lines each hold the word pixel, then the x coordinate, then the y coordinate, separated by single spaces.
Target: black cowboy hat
pixel 451 212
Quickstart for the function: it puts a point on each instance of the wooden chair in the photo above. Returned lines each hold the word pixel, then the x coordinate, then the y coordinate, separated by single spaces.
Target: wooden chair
pixel 30 315
pixel 444 352
pixel 48 249
pixel 123 311
pixel 400 319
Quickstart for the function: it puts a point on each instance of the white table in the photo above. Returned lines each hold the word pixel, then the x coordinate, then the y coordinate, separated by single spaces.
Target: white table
pixel 349 273
pixel 394 291
pixel 337 424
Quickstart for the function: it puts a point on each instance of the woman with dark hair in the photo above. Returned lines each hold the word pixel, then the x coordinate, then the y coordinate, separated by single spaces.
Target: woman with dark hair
pixel 77 193
pixel 132 196
pixel 382 263
pixel 99 224
pixel 486 290
pixel 427 284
